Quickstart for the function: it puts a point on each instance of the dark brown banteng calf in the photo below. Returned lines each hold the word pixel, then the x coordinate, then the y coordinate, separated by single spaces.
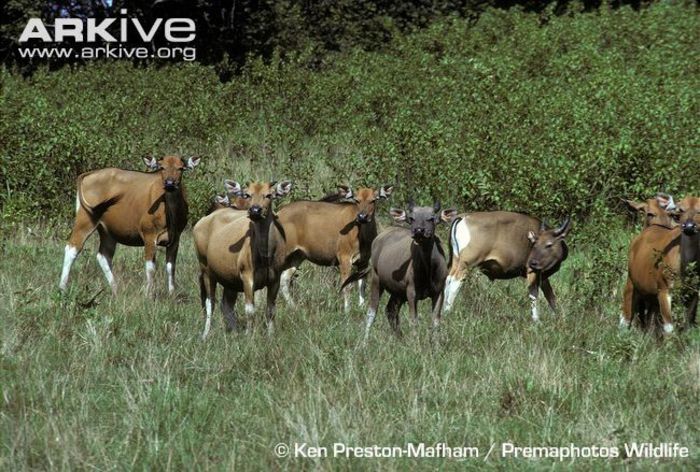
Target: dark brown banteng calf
pixel 134 209
pixel 337 230
pixel 409 264
pixel 652 264
pixel 243 251
pixel 505 245
pixel 688 215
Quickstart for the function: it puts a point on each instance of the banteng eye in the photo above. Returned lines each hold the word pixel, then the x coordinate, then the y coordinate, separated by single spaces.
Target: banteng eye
pixel 549 244
pixel 269 195
pixel 245 195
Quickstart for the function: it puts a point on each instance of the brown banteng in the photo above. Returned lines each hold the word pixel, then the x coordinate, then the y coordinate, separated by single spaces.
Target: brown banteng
pixel 654 211
pixel 653 266
pixel 230 199
pixel 648 257
pixel 243 251
pixel 505 245
pixel 409 264
pixel 337 230
pixel 134 209
pixel 688 215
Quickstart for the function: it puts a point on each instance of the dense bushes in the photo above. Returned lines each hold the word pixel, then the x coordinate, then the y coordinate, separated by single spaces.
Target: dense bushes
pixel 549 115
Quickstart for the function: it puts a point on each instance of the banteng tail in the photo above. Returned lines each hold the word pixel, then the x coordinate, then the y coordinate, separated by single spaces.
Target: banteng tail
pixel 355 276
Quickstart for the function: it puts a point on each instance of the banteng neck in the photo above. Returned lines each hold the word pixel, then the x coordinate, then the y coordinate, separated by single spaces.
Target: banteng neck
pixel 175 212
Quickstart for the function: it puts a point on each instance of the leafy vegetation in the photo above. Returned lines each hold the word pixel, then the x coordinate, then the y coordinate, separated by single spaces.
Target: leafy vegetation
pixel 561 118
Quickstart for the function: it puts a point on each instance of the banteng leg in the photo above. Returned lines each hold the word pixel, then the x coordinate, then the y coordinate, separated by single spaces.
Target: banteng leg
pixel 249 297
pixel 170 259
pixel 228 306
pixel 345 269
pixel 375 294
pixel 392 313
pixel 412 307
pixel 104 257
pixel 272 290
pixel 549 295
pixel 533 286
pixel 453 282
pixel 437 309
pixel 285 284
pixel 664 297
pixel 208 289
pixel 82 229
pixel 361 292
pixel 150 258
pixel 627 305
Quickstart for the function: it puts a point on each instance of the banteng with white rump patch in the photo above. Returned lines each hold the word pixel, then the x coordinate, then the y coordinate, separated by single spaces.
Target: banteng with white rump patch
pixel 409 264
pixel 336 231
pixel 243 251
pixel 134 209
pixel 505 245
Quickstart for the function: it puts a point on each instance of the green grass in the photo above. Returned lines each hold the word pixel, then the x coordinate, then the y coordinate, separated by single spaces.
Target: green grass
pixel 128 383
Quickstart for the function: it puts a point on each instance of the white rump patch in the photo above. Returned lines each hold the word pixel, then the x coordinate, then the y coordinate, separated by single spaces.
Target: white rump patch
pixel 460 237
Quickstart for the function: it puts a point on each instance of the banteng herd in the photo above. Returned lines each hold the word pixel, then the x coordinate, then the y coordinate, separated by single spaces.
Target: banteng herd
pixel 244 245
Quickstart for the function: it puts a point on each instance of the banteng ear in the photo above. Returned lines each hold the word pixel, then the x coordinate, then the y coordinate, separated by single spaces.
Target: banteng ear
pixel 531 236
pixel 448 215
pixel 398 214
pixel 151 163
pixel 283 188
pixel 345 191
pixel 192 162
pixel 563 230
pixel 635 206
pixel 385 191
pixel 666 201
pixel 232 187
pixel 436 207
pixel 222 200
pixel 411 204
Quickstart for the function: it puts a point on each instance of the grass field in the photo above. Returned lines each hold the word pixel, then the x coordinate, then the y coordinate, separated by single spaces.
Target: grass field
pixel 127 383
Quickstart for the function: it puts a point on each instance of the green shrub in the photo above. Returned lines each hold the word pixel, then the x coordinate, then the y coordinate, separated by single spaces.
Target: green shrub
pixel 550 115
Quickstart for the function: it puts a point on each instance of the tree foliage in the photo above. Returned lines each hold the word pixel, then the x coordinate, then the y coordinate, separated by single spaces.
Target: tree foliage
pixel 554 117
